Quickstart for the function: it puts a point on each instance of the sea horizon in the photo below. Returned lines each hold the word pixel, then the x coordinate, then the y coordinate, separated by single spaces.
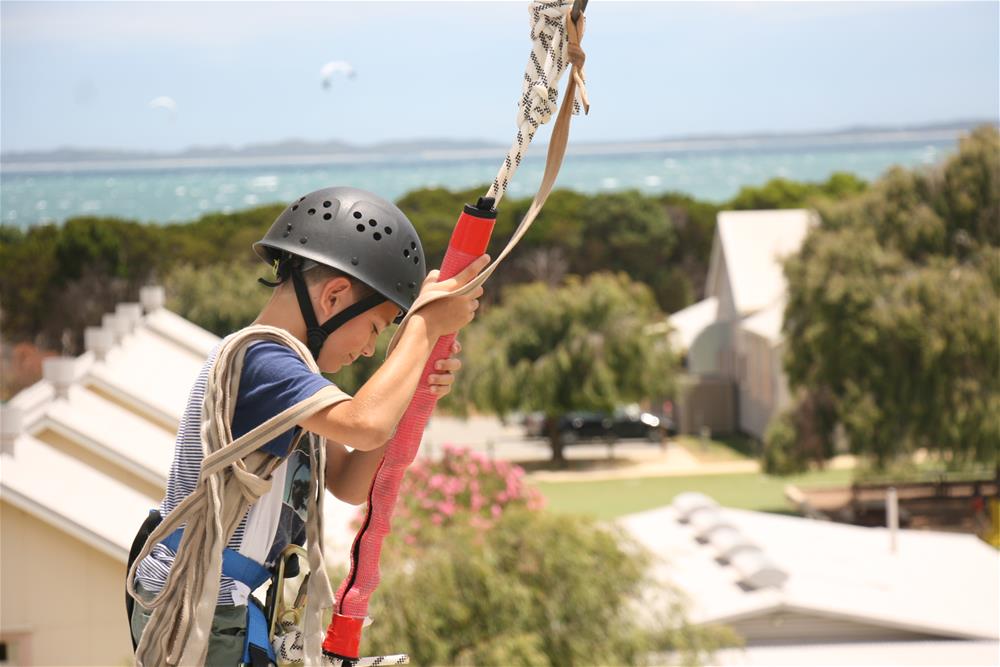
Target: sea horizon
pixel 713 169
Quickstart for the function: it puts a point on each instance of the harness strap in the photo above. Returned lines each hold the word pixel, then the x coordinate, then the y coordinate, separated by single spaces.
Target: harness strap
pixel 316 333
pixel 252 574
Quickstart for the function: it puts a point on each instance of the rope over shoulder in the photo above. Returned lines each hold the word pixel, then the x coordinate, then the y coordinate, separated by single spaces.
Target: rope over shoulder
pixel 234 475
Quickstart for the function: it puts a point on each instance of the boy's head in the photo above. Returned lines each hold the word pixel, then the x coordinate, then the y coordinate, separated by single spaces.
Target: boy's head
pixel 332 292
pixel 353 263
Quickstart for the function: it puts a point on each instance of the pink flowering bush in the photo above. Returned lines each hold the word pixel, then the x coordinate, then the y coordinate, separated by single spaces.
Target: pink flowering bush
pixel 463 489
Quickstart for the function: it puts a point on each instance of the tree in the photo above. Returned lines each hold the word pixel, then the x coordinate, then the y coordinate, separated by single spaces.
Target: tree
pixel 893 310
pixel 581 346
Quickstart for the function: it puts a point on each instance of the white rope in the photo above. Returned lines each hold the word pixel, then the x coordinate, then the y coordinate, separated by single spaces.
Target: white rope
pixel 288 651
pixel 540 89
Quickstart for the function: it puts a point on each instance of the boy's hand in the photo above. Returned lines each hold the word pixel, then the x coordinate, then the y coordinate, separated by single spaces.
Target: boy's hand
pixel 440 384
pixel 448 315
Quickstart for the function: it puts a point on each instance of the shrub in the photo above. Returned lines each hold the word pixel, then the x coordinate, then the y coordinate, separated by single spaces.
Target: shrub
pixel 461 489
pixel 534 589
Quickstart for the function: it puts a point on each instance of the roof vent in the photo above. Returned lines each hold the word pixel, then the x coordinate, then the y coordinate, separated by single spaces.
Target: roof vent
pixel 687 503
pixel 118 326
pixel 706 520
pixel 131 313
pixel 728 542
pixel 60 373
pixel 99 341
pixel 11 423
pixel 152 298
pixel 756 570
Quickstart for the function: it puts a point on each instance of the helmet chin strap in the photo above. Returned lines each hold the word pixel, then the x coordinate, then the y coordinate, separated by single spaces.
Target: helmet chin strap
pixel 316 333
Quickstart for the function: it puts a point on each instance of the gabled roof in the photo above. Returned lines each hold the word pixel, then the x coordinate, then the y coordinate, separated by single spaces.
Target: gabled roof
pixel 70 495
pixel 686 324
pixel 937 584
pixel 124 409
pixel 767 322
pixel 751 244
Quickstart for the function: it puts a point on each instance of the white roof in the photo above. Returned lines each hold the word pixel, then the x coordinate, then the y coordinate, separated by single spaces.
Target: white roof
pixel 767 322
pixel 113 432
pixel 183 332
pixel 753 243
pixel 686 324
pixel 942 584
pixel 73 496
pixel 909 653
pixel 148 370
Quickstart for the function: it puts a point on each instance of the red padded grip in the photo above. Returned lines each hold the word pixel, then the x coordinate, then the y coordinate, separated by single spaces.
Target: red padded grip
pixel 469 240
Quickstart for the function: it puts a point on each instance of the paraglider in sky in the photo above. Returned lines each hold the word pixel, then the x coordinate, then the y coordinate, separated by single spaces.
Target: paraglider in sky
pixel 333 69
pixel 164 102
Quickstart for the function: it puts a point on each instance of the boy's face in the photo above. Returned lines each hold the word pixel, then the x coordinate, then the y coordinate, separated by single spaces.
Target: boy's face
pixel 356 337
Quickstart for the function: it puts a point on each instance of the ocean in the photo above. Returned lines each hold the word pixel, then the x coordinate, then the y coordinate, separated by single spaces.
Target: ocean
pixel 163 192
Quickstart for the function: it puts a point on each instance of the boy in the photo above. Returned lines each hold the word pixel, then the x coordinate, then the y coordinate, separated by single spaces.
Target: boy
pixel 352 261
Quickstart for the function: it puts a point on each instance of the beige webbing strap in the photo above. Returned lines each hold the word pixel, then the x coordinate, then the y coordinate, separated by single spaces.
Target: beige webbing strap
pixel 553 161
pixel 178 630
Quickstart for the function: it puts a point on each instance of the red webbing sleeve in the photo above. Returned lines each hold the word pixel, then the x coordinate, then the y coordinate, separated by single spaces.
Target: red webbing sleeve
pixel 468 241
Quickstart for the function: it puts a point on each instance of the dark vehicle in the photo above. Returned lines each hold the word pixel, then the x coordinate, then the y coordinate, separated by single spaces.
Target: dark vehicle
pixel 624 423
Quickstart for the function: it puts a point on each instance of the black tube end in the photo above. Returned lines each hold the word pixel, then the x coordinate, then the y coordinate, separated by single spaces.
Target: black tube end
pixel 482 209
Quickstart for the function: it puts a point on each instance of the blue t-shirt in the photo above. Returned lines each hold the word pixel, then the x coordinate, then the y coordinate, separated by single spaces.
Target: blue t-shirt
pixel 274 379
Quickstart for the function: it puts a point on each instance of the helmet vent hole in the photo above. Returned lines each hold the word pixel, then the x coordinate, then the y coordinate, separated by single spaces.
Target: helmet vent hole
pixel 406 253
pixel 411 285
pixel 388 230
pixel 357 215
pixel 303 240
pixel 372 223
pixel 416 260
pixel 378 237
pixel 413 245
pixel 312 211
pixel 360 228
pixel 295 207
pixel 326 204
pixel 327 216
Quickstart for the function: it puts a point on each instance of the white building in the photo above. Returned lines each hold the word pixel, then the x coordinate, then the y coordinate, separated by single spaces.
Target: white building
pixel 808 592
pixel 732 338
pixel 85 455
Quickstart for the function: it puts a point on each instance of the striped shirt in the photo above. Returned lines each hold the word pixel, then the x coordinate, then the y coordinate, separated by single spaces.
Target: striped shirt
pixel 273 378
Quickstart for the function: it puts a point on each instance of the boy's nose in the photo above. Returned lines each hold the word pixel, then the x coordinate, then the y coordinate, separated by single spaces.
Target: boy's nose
pixel 369 350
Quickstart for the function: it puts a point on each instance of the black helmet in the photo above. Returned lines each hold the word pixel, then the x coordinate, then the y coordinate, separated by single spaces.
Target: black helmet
pixel 355 232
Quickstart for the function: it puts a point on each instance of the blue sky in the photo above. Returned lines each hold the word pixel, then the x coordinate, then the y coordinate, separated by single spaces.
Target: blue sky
pixel 82 74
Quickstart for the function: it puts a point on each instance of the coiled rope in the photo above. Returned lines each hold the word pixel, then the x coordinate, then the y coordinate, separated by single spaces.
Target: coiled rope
pixel 234 475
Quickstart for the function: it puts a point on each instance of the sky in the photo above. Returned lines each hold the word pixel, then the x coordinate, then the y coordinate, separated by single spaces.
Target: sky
pixel 83 74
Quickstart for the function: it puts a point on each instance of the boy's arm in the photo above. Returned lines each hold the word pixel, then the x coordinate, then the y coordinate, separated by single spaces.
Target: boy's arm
pixel 367 421
pixel 349 474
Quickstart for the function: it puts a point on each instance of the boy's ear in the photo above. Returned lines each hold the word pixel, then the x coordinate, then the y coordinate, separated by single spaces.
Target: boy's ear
pixel 334 296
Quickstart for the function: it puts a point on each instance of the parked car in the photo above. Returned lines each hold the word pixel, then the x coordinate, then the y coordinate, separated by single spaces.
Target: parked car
pixel 628 422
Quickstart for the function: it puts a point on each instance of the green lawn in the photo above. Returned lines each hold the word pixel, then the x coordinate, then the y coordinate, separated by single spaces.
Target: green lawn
pixel 608 499
pixel 718 449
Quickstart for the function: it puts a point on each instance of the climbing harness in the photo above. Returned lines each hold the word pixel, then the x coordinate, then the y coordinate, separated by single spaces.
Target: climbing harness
pixel 556 29
pixel 234 475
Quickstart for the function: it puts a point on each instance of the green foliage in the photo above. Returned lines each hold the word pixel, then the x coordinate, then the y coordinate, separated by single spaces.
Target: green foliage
pixel 785 193
pixel 579 347
pixel 782 456
pixel 893 310
pixel 219 297
pixel 537 589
